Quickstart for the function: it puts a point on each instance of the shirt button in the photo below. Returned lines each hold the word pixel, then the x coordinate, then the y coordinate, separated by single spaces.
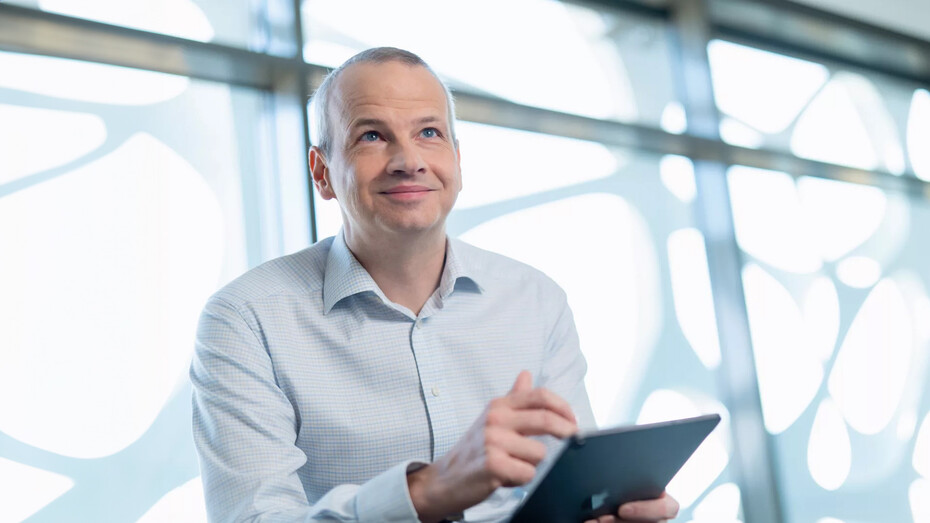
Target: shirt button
pixel 435 391
pixel 419 324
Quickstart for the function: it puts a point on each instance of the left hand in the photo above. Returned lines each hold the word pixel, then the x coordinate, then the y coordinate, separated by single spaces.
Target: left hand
pixel 661 509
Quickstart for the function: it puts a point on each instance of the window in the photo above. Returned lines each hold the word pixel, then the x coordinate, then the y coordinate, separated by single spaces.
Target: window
pixel 570 58
pixel 126 198
pixel 826 114
pixel 236 23
pixel 836 280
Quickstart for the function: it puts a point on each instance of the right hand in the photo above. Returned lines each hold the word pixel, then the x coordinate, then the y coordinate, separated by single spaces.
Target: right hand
pixel 495 452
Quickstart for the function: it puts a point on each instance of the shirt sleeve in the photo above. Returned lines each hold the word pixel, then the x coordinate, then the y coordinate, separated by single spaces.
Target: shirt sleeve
pixel 245 429
pixel 564 366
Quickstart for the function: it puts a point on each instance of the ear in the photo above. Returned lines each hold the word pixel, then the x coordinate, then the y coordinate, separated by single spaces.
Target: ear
pixel 320 173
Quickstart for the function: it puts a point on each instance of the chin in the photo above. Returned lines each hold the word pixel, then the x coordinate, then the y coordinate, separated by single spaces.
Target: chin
pixel 412 227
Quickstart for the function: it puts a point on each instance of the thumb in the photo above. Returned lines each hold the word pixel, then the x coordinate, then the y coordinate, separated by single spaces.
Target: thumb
pixel 523 383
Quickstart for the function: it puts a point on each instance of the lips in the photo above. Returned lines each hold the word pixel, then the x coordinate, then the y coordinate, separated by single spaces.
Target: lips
pixel 407 193
pixel 405 189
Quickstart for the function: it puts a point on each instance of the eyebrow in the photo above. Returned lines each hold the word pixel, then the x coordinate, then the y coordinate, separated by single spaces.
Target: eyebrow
pixel 374 122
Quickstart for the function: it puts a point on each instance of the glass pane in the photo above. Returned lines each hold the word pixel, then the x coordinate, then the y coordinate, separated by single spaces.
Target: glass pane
pixel 902 16
pixel 126 198
pixel 824 113
pixel 238 23
pixel 836 278
pixel 617 235
pixel 593 62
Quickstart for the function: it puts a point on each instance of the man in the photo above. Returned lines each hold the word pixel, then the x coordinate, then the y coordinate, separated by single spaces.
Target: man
pixel 376 376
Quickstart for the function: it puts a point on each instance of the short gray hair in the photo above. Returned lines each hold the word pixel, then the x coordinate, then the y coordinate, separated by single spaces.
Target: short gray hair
pixel 322 132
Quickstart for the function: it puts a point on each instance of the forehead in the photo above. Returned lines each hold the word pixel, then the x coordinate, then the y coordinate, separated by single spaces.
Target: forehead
pixel 393 86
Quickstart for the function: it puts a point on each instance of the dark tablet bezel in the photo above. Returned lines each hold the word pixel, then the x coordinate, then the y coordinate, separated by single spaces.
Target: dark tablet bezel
pixel 596 471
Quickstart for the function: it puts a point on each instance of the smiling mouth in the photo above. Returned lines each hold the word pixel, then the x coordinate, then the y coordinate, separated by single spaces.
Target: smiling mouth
pixel 406 190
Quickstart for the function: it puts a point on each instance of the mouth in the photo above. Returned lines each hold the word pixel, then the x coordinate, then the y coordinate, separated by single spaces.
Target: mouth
pixel 407 189
pixel 407 193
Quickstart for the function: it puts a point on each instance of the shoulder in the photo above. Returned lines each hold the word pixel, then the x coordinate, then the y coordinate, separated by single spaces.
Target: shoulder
pixel 500 270
pixel 300 273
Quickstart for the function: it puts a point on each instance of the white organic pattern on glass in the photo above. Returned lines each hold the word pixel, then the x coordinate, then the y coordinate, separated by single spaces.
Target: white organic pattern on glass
pixel 821 309
pixel 88 82
pixel 735 132
pixel 742 76
pixel 907 424
pixel 173 17
pixel 184 503
pixel 869 376
pixel 788 368
pixel 847 124
pixel 829 453
pixel 674 119
pixel 921 459
pixel 597 86
pixel 720 505
pixel 831 130
pixel 918 134
pixel 860 272
pixel 142 234
pixel 919 495
pixel 26 131
pixel 510 165
pixel 617 340
pixel 708 461
pixel 677 174
pixel 27 489
pixel 841 216
pixel 694 306
pixel 759 195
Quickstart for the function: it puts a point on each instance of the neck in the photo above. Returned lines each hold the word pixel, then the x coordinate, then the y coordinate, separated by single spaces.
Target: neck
pixel 407 268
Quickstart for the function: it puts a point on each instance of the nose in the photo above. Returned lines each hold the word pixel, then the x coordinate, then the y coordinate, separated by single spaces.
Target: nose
pixel 405 159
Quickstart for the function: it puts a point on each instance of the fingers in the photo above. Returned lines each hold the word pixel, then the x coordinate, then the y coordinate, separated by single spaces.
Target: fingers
pixel 508 471
pixel 511 456
pixel 523 383
pixel 534 422
pixel 540 399
pixel 603 519
pixel 522 448
pixel 660 509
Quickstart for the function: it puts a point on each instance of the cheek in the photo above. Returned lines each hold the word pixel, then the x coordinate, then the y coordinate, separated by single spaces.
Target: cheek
pixel 365 169
pixel 447 169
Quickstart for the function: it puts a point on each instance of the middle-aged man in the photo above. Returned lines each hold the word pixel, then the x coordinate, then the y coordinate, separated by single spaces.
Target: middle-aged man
pixel 389 373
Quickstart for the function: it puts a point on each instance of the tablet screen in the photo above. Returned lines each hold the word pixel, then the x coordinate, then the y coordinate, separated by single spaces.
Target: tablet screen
pixel 596 472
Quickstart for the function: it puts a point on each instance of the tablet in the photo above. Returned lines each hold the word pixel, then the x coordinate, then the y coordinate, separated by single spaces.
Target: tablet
pixel 595 472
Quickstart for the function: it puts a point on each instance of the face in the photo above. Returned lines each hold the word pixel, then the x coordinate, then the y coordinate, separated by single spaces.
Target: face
pixel 393 167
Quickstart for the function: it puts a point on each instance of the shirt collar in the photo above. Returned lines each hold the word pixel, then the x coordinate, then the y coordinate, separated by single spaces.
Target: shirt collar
pixel 344 276
pixel 459 273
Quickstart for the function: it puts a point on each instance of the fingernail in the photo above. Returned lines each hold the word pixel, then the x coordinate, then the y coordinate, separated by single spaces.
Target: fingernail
pixel 627 511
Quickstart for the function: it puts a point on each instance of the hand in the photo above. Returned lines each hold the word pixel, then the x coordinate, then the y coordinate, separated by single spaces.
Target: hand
pixel 660 509
pixel 495 452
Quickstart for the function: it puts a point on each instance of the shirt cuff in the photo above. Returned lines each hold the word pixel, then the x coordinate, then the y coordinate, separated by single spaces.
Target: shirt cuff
pixel 386 498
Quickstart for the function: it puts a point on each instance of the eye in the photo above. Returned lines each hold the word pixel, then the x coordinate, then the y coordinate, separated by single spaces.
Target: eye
pixel 429 132
pixel 369 136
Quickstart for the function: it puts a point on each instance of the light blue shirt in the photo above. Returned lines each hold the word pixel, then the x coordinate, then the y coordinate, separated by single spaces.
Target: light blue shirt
pixel 314 393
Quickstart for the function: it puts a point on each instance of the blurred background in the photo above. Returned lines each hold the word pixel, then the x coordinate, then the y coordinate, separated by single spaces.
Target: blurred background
pixel 735 195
